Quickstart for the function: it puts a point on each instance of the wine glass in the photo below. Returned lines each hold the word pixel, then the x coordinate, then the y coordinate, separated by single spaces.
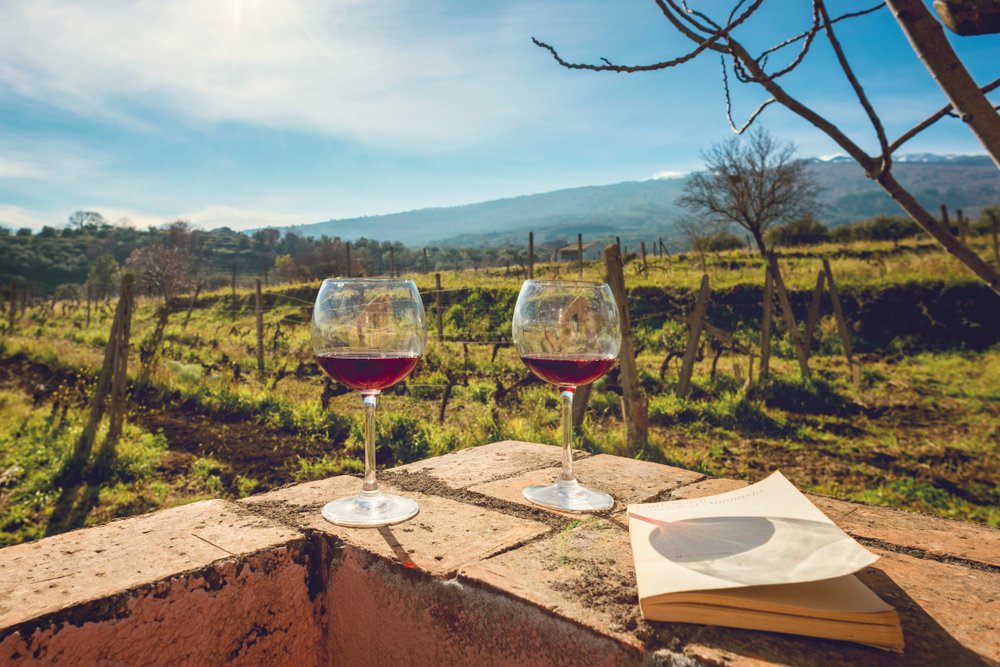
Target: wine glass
pixel 368 334
pixel 568 334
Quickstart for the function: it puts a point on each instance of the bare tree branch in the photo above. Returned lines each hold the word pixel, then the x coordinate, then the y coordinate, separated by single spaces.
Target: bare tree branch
pixel 729 104
pixel 709 35
pixel 928 40
pixel 876 122
pixel 947 110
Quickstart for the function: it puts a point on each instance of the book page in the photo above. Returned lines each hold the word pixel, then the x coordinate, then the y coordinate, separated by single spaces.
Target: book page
pixel 763 534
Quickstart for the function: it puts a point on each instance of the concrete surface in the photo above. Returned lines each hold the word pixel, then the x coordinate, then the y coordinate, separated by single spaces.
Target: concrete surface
pixel 478 577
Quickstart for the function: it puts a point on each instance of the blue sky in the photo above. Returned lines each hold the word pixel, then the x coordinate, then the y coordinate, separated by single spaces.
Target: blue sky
pixel 251 112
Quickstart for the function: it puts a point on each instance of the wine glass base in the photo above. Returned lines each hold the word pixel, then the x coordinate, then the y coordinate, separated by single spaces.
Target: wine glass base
pixel 370 512
pixel 568 496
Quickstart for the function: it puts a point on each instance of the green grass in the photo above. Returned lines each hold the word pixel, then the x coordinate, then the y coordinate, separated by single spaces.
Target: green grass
pixel 921 433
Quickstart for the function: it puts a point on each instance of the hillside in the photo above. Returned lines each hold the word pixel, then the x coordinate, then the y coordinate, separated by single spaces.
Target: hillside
pixel 645 210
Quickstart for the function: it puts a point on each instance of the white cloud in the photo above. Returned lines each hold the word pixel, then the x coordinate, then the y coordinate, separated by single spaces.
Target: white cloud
pixel 344 68
pixel 207 217
pixel 16 217
pixel 668 173
pixel 20 169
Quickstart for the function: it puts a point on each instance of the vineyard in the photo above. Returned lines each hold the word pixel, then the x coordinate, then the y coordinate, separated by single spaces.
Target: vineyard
pixel 214 408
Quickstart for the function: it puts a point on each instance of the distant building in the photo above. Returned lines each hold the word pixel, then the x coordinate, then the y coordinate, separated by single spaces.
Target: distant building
pixel 571 252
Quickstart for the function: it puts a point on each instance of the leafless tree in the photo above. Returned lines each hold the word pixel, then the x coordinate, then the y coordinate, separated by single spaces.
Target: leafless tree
pixel 160 270
pixel 754 183
pixel 967 99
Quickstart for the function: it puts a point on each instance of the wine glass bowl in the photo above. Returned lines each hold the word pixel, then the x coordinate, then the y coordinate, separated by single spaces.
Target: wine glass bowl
pixel 568 334
pixel 368 334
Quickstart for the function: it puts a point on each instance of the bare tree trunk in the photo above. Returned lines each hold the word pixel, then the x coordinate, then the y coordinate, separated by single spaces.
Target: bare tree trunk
pixel 928 40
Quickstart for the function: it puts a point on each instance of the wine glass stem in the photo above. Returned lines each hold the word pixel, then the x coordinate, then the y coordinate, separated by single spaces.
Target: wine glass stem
pixel 370 400
pixel 566 393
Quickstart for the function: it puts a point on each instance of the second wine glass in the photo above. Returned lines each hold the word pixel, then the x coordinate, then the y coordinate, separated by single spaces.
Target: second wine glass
pixel 568 334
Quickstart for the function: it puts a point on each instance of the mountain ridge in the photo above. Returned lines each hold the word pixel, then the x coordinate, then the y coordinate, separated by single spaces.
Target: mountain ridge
pixel 645 210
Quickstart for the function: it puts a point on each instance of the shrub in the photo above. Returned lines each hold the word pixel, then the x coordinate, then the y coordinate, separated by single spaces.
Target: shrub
pixel 804 231
pixel 877 228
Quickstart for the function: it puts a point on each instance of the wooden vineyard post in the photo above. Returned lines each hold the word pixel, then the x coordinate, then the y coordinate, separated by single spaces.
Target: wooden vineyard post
pixel 260 331
pixel 579 248
pixel 618 244
pixel 531 255
pixel 187 316
pixel 944 217
pixel 147 354
pixel 789 316
pixel 963 227
pixel 695 324
pixel 347 247
pixel 765 328
pixel 392 262
pixel 12 313
pixel 113 367
pixel 813 319
pixel 635 407
pixel 845 336
pixel 642 248
pixel 580 399
pixel 663 248
pixel 426 269
pixel 116 414
pixel 234 289
pixel 437 309
pixel 90 296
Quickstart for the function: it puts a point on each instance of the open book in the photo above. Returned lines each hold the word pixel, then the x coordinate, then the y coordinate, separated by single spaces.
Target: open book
pixel 762 558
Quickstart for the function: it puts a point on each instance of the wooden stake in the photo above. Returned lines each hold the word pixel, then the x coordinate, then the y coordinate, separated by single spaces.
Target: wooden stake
pixel 663 248
pixel 765 328
pixel 147 355
pixel 642 247
pixel 580 399
pixel 260 331
pixel 119 381
pixel 963 226
pixel 813 319
pixel 944 217
pixel 187 316
pixel 579 247
pixel 531 255
pixel 695 323
pixel 789 316
pixel 437 299
pixel 635 407
pixel 845 336
pixel 12 313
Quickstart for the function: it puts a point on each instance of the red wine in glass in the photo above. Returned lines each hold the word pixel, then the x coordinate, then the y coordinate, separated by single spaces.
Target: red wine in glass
pixel 366 371
pixel 568 369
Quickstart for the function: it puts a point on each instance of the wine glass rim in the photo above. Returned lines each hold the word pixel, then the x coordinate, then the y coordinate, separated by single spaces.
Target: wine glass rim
pixel 368 280
pixel 578 283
